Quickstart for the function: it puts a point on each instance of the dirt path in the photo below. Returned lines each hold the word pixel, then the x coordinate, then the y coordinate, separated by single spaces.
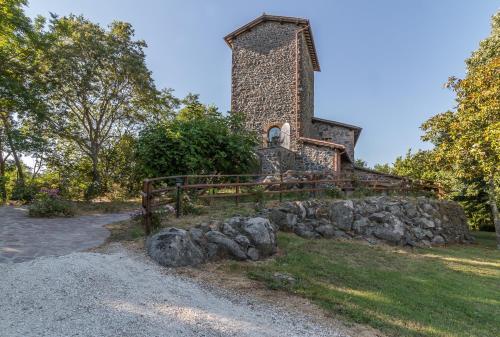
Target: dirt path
pixel 23 238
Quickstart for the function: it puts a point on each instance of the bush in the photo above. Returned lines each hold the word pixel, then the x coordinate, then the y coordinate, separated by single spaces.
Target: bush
pixel 49 204
pixel 334 192
pixel 23 192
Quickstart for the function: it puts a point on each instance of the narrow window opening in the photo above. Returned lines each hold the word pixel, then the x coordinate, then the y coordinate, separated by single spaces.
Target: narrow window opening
pixel 273 136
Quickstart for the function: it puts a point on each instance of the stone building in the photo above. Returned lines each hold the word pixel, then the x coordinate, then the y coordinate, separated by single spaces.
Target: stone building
pixel 273 65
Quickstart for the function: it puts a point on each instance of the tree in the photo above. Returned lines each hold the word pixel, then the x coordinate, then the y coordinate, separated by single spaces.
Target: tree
pixel 199 140
pixel 384 168
pixel 99 86
pixel 20 89
pixel 360 163
pixel 467 141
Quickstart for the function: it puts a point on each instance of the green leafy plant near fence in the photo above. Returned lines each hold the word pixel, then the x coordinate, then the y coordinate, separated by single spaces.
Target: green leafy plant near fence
pixel 49 204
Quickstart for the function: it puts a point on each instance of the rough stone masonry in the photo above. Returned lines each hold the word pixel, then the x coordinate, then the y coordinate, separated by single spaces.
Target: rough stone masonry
pixel 273 64
pixel 400 221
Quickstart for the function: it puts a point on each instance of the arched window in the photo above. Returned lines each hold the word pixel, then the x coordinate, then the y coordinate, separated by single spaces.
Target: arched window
pixel 273 136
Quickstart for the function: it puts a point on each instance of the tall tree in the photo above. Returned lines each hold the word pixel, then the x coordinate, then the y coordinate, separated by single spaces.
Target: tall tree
pixel 99 85
pixel 20 89
pixel 468 140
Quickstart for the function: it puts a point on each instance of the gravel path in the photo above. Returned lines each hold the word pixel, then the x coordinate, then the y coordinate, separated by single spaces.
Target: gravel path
pixel 119 294
pixel 23 238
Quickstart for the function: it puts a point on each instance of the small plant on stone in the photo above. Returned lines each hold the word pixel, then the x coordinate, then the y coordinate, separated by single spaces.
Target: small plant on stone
pixel 334 192
pixel 48 203
pixel 259 196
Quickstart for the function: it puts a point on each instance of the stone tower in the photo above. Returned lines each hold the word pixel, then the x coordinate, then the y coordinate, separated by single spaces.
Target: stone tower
pixel 274 60
pixel 273 64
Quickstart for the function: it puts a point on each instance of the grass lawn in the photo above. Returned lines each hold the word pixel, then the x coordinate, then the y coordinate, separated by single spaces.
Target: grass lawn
pixel 449 291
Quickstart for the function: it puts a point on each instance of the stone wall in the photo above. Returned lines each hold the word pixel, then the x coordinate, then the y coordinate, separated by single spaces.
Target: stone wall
pixel 368 174
pixel 276 159
pixel 306 89
pixel 337 134
pixel 263 77
pixel 400 221
pixel 315 158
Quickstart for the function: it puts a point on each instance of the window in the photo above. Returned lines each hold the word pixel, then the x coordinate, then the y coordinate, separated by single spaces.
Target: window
pixel 273 136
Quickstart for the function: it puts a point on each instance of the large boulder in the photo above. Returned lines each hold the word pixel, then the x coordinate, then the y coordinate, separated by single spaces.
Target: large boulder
pixel 174 247
pixel 236 238
pixel 261 234
pixel 226 245
pixel 342 214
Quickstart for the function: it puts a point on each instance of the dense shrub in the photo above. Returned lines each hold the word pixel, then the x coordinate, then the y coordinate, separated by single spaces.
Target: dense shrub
pixel 200 144
pixel 49 204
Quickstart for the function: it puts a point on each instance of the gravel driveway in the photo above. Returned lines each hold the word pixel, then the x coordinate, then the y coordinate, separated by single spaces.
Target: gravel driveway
pixel 23 238
pixel 91 294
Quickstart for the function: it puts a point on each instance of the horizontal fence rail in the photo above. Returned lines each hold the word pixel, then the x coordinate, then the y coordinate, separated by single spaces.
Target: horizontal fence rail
pixel 162 191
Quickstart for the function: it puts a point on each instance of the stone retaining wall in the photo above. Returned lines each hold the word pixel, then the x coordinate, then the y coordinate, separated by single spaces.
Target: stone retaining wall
pixel 400 221
pixel 276 159
pixel 396 220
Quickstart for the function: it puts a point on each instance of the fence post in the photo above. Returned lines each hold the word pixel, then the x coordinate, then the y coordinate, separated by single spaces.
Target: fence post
pixel 281 187
pixel 314 185
pixel 237 190
pixel 178 196
pixel 146 205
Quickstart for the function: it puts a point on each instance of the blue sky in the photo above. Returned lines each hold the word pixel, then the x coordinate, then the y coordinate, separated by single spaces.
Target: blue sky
pixel 383 63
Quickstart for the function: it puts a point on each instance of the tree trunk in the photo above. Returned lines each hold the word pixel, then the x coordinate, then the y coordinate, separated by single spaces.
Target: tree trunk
pixel 3 191
pixel 494 208
pixel 10 141
pixel 95 187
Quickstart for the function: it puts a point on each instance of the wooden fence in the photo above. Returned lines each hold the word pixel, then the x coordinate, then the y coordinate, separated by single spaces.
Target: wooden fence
pixel 162 191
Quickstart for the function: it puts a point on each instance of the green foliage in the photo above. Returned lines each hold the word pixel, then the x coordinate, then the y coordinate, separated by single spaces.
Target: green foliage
pixel 467 140
pixel 99 87
pixel 194 143
pixel 334 192
pixel 46 205
pixel 360 163
pixel 23 192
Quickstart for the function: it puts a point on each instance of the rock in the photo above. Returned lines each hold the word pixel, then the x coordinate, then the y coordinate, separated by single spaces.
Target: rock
pixel 341 214
pixel 302 212
pixel 419 233
pixel 424 243
pixel 359 225
pixel 305 231
pixel 213 251
pixel 261 235
pixel 253 254
pixel 410 209
pixel 228 230
pixel 326 231
pixel 284 221
pixel 242 241
pixel 379 217
pixel 198 236
pixel 226 244
pixel 284 279
pixel 424 223
pixel 409 240
pixel 438 240
pixel 174 247
pixel 388 234
pixel 428 233
pixel 341 234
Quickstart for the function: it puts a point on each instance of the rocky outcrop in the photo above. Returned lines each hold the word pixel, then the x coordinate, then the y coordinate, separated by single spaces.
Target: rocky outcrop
pixel 236 238
pixel 399 221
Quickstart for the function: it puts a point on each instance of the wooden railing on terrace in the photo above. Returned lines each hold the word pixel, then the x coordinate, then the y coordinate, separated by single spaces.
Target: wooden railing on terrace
pixel 158 192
